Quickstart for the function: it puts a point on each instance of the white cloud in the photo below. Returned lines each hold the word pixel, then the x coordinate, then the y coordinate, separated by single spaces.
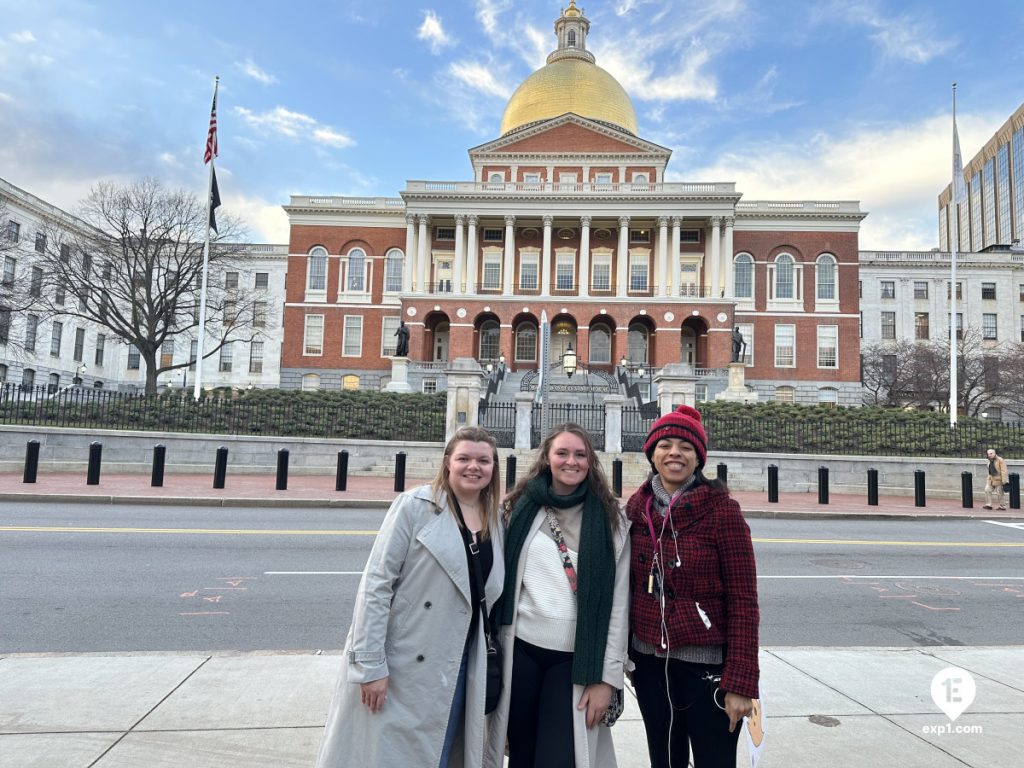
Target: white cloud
pixel 488 11
pixel 295 125
pixel 24 37
pixel 637 72
pixel 251 69
pixel 479 78
pixel 900 37
pixel 432 31
pixel 6 97
pixel 267 222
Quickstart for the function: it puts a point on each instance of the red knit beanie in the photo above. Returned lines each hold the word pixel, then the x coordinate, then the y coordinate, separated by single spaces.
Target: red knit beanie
pixel 684 423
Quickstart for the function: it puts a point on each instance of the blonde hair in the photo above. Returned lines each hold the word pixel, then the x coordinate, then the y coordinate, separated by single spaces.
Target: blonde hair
pixel 489 495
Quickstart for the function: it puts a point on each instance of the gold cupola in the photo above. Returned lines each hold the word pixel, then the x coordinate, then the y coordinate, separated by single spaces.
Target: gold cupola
pixel 570 82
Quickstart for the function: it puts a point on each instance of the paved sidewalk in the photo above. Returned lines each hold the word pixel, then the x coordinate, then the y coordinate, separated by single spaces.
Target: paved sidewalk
pixel 825 707
pixel 363 490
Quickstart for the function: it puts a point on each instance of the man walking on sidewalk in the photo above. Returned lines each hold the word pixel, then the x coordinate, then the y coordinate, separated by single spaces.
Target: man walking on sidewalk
pixel 996 479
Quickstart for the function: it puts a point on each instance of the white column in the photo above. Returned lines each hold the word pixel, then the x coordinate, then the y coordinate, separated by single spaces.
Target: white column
pixel 409 273
pixel 584 260
pixel 471 257
pixel 673 254
pixel 422 255
pixel 622 257
pixel 510 256
pixel 730 271
pixel 716 255
pixel 545 259
pixel 460 253
pixel 662 270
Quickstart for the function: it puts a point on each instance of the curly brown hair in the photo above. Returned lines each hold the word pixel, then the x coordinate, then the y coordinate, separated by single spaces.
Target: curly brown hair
pixel 596 478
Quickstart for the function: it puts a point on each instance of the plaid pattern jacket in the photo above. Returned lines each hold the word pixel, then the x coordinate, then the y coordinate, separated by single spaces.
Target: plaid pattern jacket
pixel 716 570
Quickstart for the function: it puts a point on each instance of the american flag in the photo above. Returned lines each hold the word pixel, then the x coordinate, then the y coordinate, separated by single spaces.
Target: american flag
pixel 211 137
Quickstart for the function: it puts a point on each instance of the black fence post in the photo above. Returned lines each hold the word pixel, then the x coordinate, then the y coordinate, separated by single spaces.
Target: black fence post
pixel 159 459
pixel 723 473
pixel 823 485
pixel 282 470
pixel 510 472
pixel 872 487
pixel 400 471
pixel 773 484
pixel 95 457
pixel 1014 490
pixel 220 467
pixel 966 490
pixel 341 476
pixel 617 477
pixel 919 488
pixel 31 461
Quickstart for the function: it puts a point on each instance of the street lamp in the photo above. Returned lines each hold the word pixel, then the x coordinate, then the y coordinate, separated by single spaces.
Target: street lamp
pixel 569 362
pixel 184 377
pixel 490 368
pixel 77 381
pixel 501 358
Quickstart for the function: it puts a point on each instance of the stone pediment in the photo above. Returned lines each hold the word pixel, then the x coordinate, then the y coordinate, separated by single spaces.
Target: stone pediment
pixel 570 134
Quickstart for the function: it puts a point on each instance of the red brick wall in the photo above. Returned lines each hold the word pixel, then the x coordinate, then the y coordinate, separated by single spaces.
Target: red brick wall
pixel 570 137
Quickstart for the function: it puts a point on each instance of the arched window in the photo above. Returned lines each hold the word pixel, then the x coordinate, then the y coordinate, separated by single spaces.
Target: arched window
pixel 350 382
pixel 526 343
pixel 571 38
pixel 28 378
pixel 784 276
pixel 394 262
pixel 310 382
pixel 316 270
pixel 828 396
pixel 744 276
pixel 3 372
pixel 356 281
pixel 600 344
pixel 784 394
pixel 826 277
pixel 490 338
pixel 637 343
pixel 54 383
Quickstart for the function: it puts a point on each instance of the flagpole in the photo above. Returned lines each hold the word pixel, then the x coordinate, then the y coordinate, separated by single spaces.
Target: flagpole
pixel 954 238
pixel 201 340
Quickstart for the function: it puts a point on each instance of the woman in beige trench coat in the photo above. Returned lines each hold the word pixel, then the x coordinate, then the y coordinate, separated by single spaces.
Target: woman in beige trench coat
pixel 409 627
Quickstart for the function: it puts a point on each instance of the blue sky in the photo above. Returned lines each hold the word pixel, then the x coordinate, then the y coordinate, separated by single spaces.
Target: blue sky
pixel 791 100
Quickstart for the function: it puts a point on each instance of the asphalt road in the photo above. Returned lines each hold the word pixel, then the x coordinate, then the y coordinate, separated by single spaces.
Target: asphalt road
pixel 91 577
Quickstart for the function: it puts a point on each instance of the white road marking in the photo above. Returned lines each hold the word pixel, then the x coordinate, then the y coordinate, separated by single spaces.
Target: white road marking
pixel 1018 526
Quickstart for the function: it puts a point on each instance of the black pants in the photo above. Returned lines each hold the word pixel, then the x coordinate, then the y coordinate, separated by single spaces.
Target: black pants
pixel 540 731
pixel 695 718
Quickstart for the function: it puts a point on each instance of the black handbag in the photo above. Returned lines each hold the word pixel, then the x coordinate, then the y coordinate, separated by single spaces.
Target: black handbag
pixel 494 682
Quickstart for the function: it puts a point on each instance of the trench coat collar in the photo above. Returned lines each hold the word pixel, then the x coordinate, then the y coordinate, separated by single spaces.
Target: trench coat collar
pixel 442 538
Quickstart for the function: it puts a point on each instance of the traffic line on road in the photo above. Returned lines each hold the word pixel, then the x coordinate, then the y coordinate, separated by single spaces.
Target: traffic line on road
pixel 183 531
pixel 884 543
pixel 1018 526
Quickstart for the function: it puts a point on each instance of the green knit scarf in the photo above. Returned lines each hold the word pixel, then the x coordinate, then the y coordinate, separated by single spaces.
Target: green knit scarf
pixel 595 570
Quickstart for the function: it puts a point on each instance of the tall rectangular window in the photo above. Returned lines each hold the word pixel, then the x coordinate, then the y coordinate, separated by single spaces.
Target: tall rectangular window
pixel 167 353
pixel 10 265
pixel 313 335
pixel 256 357
pixel 1022 328
pixel 55 338
pixel 565 272
pixel 13 231
pixel 638 273
pixel 920 289
pixel 193 353
pixel 785 346
pixel 352 337
pixel 528 272
pixel 988 291
pixel 227 353
pixel 888 325
pixel 316 268
pixel 5 324
pixel 989 326
pixel 262 281
pixel 393 272
pixel 959 290
pixel 134 358
pixel 40 242
pixel 887 289
pixel 388 340
pixel 601 272
pixel 31 330
pixel 79 353
pixel 828 346
pixel 921 331
pixel 259 314
pixel 35 289
pixel 492 271
pixel 356 271
pixel 101 345
pixel 231 280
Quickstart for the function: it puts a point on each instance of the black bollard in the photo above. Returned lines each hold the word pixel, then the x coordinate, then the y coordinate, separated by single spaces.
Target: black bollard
pixel 220 467
pixel 31 461
pixel 617 477
pixel 159 459
pixel 95 457
pixel 400 471
pixel 341 477
pixel 282 470
pixel 1014 490
pixel 918 487
pixel 966 490
pixel 872 487
pixel 723 473
pixel 510 472
pixel 773 484
pixel 823 485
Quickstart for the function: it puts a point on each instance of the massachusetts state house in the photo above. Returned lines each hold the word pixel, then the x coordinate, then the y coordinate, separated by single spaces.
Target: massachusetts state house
pixel 568 212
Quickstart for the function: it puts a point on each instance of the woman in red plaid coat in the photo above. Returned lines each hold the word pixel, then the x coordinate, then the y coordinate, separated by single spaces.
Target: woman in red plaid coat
pixel 693 593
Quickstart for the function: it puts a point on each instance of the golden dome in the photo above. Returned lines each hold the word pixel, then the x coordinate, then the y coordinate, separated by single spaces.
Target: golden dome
pixel 569 85
pixel 572 11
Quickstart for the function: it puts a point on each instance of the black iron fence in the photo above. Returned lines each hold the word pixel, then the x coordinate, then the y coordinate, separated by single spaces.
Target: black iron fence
pixel 636 423
pixel 499 418
pixel 295 414
pixel 590 417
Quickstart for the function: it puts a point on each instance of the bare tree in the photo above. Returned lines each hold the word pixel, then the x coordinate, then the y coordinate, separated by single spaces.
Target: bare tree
pixel 136 270
pixel 1012 378
pixel 886 373
pixel 979 381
